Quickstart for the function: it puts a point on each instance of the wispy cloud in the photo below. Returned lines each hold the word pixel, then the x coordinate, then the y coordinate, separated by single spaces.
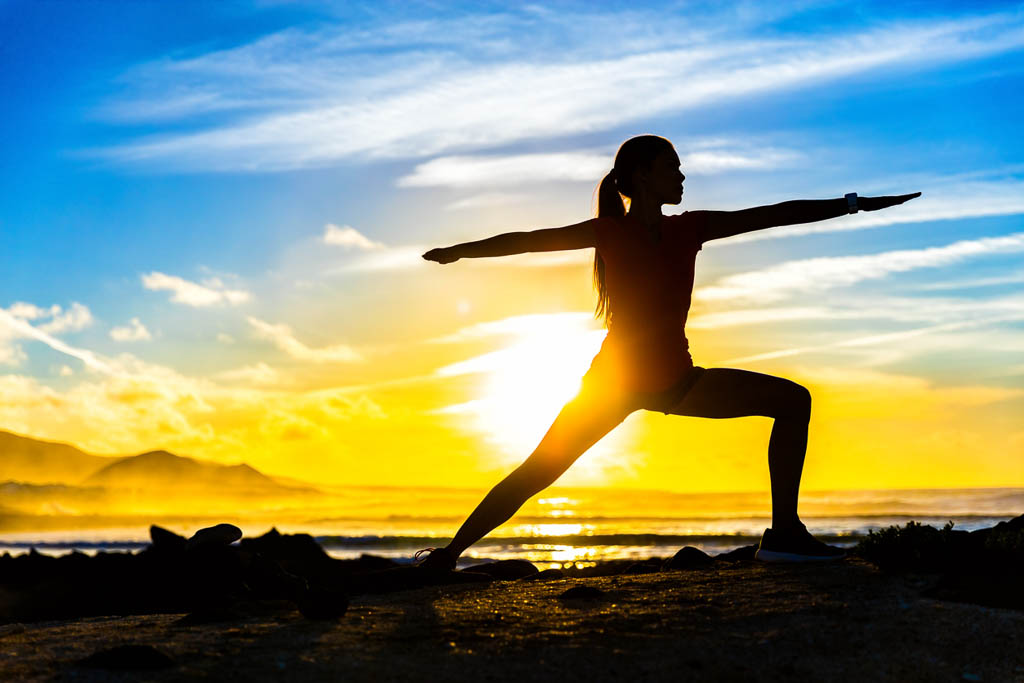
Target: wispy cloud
pixel 76 317
pixel 501 171
pixel 877 339
pixel 868 308
pixel 283 338
pixel 348 237
pixel 210 293
pixel 1013 279
pixel 133 331
pixel 16 323
pixel 777 282
pixel 588 166
pixel 259 374
pixel 523 325
pixel 485 199
pixel 21 328
pixel 310 103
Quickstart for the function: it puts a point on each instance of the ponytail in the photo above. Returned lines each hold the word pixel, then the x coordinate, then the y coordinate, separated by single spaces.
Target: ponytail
pixel 613 193
pixel 609 203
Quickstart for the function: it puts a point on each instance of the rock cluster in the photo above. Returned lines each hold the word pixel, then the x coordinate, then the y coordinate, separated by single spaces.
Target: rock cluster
pixel 983 567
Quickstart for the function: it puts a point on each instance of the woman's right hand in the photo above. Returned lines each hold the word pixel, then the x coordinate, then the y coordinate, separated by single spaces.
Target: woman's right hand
pixel 442 255
pixel 876 203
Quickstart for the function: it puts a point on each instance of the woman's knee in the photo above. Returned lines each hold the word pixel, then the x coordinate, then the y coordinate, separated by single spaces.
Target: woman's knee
pixel 794 403
pixel 538 472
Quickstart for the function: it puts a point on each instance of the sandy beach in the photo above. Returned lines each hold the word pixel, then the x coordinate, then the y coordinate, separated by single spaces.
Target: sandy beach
pixel 732 621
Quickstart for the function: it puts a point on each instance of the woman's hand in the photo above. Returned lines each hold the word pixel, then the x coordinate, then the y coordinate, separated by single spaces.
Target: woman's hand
pixel 442 255
pixel 876 203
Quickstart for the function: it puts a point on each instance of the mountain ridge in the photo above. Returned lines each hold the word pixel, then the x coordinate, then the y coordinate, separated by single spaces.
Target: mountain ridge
pixel 24 459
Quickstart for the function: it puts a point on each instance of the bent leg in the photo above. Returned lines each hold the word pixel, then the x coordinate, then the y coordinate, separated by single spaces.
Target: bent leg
pixel 726 392
pixel 580 424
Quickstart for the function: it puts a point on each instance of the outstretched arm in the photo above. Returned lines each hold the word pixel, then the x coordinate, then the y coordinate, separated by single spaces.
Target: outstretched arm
pixel 728 223
pixel 577 236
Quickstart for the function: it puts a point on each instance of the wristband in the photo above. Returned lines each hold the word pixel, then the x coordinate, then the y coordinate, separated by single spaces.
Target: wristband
pixel 851 202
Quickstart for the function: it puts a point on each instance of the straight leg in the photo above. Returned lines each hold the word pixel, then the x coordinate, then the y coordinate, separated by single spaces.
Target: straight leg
pixel 727 392
pixel 580 424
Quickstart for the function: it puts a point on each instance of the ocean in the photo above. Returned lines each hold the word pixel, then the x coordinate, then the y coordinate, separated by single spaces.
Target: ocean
pixel 560 526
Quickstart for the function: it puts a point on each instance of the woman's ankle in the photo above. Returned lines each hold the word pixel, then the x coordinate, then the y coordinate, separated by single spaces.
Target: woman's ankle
pixel 788 526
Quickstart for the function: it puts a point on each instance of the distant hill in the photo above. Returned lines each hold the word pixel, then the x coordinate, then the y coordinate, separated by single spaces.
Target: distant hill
pixel 45 462
pixel 174 473
pixel 31 461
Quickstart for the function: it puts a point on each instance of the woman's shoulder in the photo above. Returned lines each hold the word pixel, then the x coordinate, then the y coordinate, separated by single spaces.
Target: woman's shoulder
pixel 689 224
pixel 687 218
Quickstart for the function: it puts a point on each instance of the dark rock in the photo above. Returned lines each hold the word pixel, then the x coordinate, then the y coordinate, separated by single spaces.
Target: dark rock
pixel 689 557
pixel 506 570
pixel 322 603
pixel 650 566
pixel 546 575
pixel 582 593
pixel 267 580
pixel 992 588
pixel 744 554
pixel 219 535
pixel 301 555
pixel 165 541
pixel 126 657
pixel 370 563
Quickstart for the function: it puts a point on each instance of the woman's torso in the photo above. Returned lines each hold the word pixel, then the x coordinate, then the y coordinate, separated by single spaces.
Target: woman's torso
pixel 650 282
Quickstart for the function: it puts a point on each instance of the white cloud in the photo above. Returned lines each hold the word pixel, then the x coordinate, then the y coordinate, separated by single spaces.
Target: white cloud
pixel 27 311
pixel 1015 278
pixel 210 293
pixel 868 308
pixel 776 282
pixel 485 199
pixel 258 374
pixel 281 336
pixel 878 339
pixel 66 371
pixel 392 258
pixel 501 171
pixel 76 318
pixel 134 331
pixel 313 99
pixel 11 354
pixel 16 327
pixel 14 324
pixel 225 338
pixel 348 237
pixel 551 324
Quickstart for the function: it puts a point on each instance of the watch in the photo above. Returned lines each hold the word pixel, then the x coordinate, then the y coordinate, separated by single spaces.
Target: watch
pixel 851 202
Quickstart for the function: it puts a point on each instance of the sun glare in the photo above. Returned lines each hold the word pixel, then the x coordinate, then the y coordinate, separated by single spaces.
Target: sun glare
pixel 527 382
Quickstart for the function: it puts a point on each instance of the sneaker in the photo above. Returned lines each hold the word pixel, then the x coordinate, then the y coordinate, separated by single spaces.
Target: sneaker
pixel 795 546
pixel 434 558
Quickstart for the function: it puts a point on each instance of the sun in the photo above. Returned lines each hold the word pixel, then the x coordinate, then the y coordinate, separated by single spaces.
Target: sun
pixel 527 382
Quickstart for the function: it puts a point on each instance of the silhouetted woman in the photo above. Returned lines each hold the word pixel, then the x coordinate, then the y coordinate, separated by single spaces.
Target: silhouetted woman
pixel 643 273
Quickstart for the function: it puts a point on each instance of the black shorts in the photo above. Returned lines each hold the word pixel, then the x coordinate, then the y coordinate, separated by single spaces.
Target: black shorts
pixel 668 399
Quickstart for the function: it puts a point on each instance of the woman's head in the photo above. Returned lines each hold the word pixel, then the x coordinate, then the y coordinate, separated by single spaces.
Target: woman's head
pixel 646 167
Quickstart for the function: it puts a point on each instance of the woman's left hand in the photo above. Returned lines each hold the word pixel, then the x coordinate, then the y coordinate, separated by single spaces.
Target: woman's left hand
pixel 876 203
pixel 442 255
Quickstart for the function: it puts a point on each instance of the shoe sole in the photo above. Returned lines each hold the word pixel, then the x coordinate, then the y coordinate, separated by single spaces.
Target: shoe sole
pixel 775 556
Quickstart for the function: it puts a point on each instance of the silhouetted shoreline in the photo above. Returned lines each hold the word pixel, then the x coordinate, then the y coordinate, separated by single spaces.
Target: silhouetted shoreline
pixel 275 605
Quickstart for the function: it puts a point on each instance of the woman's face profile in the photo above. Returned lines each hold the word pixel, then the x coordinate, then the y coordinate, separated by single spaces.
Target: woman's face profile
pixel 664 180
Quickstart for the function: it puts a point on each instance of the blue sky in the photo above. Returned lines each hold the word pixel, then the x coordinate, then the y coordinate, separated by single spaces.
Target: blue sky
pixel 198 187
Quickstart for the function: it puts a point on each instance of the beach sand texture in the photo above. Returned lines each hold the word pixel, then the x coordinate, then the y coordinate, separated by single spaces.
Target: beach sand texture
pixel 736 621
